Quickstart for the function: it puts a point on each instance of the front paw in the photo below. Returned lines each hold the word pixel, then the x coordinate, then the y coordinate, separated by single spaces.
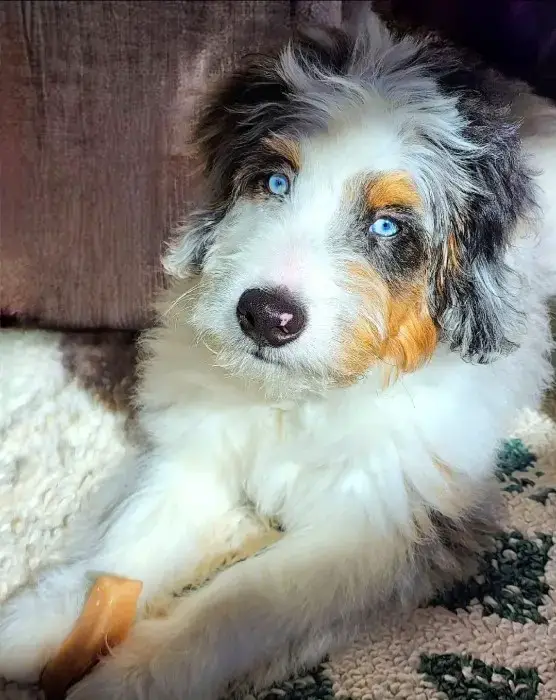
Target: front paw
pixel 30 633
pixel 113 681
pixel 146 666
pixel 126 673
pixel 34 623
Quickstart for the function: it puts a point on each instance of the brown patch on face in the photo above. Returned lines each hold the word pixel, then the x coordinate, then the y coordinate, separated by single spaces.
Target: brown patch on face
pixel 412 335
pixel 287 148
pixel 395 327
pixel 362 346
pixel 393 190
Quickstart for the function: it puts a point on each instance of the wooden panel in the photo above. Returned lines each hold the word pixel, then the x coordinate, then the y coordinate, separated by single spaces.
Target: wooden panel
pixel 96 103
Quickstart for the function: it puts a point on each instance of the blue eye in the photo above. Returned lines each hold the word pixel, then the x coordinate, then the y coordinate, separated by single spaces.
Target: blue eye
pixel 384 227
pixel 278 183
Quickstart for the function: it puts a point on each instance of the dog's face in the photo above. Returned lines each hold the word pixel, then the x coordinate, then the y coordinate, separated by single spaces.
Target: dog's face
pixel 319 265
pixel 360 213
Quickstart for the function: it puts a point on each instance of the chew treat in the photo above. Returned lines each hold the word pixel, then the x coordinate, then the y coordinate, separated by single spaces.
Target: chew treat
pixel 104 623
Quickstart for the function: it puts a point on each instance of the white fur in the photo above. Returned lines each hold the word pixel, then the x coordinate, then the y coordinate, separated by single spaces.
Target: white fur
pixel 343 468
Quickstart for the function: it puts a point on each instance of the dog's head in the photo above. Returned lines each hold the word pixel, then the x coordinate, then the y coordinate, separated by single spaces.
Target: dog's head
pixel 363 194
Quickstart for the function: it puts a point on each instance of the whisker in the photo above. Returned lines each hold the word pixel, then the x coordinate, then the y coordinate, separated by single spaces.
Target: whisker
pixel 181 298
pixel 207 346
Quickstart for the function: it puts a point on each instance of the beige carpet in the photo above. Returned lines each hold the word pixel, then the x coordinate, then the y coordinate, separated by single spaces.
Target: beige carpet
pixel 65 423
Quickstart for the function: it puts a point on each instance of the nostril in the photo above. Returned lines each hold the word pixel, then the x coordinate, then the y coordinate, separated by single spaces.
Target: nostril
pixel 249 318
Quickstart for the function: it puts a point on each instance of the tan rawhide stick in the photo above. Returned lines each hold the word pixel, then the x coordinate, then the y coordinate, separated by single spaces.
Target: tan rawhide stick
pixel 111 608
pixel 104 623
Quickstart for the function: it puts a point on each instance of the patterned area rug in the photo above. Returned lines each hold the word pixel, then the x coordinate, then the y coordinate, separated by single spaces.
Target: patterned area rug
pixel 65 422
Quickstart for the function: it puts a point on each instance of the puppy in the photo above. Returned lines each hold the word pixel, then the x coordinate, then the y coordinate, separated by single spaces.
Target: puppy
pixel 353 320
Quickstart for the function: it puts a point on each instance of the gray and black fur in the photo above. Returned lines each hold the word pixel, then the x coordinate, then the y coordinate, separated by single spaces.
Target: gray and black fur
pixel 476 307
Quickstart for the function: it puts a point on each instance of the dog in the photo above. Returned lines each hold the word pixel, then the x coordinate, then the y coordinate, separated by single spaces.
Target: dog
pixel 352 320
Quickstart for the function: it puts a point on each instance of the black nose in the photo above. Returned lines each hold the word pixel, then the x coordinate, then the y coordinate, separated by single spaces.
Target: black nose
pixel 270 317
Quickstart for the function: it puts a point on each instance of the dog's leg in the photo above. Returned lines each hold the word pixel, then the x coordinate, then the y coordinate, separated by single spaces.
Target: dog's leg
pixel 253 614
pixel 163 527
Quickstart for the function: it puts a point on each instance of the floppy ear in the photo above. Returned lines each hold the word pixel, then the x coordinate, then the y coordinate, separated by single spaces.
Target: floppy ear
pixel 244 108
pixel 187 249
pixel 236 115
pixel 475 303
pixel 476 295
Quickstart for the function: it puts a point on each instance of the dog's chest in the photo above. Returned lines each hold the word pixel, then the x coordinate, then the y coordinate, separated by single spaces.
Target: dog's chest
pixel 302 459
